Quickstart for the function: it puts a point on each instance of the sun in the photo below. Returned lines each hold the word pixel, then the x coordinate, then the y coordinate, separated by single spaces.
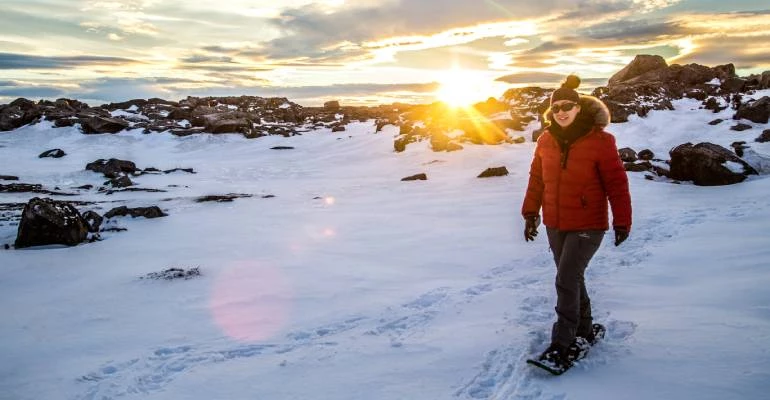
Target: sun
pixel 460 88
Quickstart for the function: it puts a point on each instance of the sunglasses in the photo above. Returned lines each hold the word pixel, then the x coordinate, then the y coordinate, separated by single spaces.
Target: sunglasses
pixel 563 107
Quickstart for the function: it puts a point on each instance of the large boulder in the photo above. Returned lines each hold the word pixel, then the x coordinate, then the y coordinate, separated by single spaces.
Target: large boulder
pixel 18 113
pixel 112 168
pixel 755 111
pixel 46 221
pixel 95 124
pixel 332 105
pixel 641 64
pixel 708 164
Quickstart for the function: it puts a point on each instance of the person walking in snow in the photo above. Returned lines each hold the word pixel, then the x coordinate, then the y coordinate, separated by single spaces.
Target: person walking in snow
pixel 576 171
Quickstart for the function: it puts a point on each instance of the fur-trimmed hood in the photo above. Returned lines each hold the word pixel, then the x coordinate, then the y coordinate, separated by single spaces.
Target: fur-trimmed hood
pixel 591 107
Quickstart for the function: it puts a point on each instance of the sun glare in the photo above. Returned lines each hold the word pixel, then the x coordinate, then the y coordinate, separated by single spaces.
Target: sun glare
pixel 461 88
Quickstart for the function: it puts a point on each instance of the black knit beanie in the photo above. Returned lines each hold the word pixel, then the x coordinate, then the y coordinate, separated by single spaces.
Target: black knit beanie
pixel 567 90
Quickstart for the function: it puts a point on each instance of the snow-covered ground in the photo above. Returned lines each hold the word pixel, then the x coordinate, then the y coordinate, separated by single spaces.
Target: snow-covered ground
pixel 350 284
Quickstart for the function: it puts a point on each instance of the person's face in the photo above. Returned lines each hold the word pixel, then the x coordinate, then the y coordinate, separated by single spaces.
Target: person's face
pixel 564 112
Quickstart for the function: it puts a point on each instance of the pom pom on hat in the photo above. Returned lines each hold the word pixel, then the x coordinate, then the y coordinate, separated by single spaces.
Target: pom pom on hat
pixel 567 90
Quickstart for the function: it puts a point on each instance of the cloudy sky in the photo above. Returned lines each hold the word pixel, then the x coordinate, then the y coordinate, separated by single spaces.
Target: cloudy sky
pixel 356 51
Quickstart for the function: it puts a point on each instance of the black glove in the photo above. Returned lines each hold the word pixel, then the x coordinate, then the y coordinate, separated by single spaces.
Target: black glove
pixel 530 227
pixel 621 234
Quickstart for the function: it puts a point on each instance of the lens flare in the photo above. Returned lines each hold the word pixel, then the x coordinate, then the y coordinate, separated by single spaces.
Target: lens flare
pixel 250 301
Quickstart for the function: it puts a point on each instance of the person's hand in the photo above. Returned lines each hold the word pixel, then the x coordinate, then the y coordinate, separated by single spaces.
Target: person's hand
pixel 621 234
pixel 530 227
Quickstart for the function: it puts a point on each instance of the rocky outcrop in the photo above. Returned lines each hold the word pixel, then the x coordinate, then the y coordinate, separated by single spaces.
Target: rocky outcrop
pixel 641 65
pixel 493 171
pixel 112 168
pixel 755 111
pixel 332 105
pixel 53 153
pixel 18 113
pixel 708 164
pixel 627 155
pixel 97 124
pixel 30 188
pixel 146 212
pixel 46 221
pixel 648 83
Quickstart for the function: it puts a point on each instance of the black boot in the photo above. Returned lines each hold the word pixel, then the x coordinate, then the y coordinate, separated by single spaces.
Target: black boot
pixel 556 357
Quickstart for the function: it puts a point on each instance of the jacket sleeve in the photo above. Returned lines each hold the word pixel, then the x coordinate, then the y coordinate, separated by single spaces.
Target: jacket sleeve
pixel 533 199
pixel 615 182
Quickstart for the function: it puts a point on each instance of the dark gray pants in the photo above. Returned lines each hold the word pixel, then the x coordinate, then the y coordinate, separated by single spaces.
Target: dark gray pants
pixel 572 251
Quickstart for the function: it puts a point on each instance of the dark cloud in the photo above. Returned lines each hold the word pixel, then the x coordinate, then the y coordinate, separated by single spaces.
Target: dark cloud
pixel 206 59
pixel 219 50
pixel 593 9
pixel 40 25
pixel 24 61
pixel 31 92
pixel 223 68
pixel 632 31
pixel 310 30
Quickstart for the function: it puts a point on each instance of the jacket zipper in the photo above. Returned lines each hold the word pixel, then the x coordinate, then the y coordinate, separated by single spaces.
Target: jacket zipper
pixel 562 166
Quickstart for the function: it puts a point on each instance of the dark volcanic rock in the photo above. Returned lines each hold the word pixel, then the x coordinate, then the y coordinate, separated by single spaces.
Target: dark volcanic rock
pixel 147 212
pixel 495 171
pixel 740 127
pixel 119 182
pixel 174 273
pixel 46 221
pixel 640 65
pixel 764 137
pixel 100 124
pixel 647 83
pixel 333 105
pixel 53 153
pixel 417 177
pixel 32 188
pixel 111 168
pixel 733 85
pixel 716 121
pixel 646 155
pixel 222 198
pixel 637 167
pixel 713 104
pixel 8 178
pixel 756 111
pixel 705 165
pixel 627 154
pixel 93 219
pixel 188 170
pixel 18 113
pixel 739 147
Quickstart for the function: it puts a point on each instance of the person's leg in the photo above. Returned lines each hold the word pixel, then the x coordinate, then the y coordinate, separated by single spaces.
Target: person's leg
pixel 585 323
pixel 577 248
pixel 556 242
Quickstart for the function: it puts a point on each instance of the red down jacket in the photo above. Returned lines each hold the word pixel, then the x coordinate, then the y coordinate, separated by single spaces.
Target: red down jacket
pixel 575 197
